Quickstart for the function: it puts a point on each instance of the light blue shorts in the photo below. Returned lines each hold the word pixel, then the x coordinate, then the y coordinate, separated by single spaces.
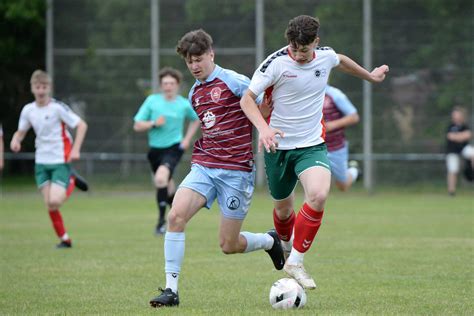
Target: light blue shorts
pixel 232 188
pixel 338 162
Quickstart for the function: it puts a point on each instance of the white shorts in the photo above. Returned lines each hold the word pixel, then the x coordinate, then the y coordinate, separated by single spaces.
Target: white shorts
pixel 233 189
pixel 453 161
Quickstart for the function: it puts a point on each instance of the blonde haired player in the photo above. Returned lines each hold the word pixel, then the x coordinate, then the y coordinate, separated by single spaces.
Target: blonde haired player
pixel 54 148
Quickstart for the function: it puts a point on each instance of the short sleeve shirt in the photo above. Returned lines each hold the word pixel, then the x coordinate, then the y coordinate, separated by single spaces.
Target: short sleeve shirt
pixel 297 93
pixel 53 141
pixel 175 113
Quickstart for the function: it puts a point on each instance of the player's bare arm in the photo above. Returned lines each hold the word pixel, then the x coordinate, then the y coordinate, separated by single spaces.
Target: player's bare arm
pixel 192 129
pixel 81 130
pixel 266 135
pixel 15 144
pixel 349 66
pixel 343 122
pixel 459 137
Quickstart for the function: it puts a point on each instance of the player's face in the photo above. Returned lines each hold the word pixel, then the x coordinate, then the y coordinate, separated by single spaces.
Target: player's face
pixel 169 85
pixel 201 66
pixel 40 90
pixel 303 53
pixel 457 117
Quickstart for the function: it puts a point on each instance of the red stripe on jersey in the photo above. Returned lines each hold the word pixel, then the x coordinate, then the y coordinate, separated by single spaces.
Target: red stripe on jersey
pixel 66 142
pixel 323 131
pixel 226 140
pixel 268 94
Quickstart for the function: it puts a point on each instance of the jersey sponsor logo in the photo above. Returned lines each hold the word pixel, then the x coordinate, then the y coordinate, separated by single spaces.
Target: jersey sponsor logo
pixel 209 119
pixel 289 74
pixel 216 94
pixel 233 202
pixel 320 73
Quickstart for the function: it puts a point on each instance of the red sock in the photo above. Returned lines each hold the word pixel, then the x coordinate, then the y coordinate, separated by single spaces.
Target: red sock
pixel 284 228
pixel 70 186
pixel 306 226
pixel 57 221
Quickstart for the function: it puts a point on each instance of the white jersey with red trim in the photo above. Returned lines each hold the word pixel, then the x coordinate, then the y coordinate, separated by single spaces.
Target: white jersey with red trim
pixel 298 95
pixel 53 141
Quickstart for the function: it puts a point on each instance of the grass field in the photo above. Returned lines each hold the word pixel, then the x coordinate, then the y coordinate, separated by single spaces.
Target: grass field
pixel 391 253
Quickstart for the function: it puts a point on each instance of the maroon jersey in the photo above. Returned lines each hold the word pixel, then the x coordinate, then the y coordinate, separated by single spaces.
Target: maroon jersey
pixel 226 140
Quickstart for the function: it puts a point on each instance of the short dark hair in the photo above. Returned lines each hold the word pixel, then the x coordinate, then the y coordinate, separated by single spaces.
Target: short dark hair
pixel 194 43
pixel 302 30
pixel 168 71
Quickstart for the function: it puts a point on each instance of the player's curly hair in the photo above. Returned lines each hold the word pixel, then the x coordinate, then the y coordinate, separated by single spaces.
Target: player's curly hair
pixel 302 30
pixel 194 43
pixel 168 71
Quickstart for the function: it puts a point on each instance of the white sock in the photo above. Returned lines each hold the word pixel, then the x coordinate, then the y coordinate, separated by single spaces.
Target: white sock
pixel 354 173
pixel 172 281
pixel 256 241
pixel 295 257
pixel 65 237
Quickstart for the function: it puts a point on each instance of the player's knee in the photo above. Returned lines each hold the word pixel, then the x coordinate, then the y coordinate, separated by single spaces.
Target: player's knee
pixel 161 182
pixel 54 203
pixel 176 221
pixel 317 198
pixel 283 213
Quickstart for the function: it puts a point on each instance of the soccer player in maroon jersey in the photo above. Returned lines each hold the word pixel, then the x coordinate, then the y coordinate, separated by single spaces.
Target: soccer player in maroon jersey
pixel 222 165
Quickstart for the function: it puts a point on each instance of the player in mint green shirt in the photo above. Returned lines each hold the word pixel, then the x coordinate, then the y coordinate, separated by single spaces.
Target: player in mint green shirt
pixel 162 116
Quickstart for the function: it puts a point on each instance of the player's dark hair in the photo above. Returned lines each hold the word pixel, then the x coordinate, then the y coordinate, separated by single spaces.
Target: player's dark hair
pixel 168 71
pixel 302 30
pixel 194 43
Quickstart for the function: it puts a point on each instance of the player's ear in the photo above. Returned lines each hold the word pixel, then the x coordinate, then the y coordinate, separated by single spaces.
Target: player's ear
pixel 211 53
pixel 316 41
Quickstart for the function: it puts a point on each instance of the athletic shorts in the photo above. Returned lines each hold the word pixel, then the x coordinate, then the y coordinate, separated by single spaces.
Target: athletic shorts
pixel 284 167
pixel 338 162
pixel 168 157
pixel 233 189
pixel 52 173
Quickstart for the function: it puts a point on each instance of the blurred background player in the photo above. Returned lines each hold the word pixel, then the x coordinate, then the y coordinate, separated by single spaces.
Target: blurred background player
pixel 457 140
pixel 339 113
pixel 162 115
pixel 222 165
pixel 297 76
pixel 54 147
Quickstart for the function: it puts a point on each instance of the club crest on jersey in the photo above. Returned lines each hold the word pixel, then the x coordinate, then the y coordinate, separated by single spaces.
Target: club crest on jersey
pixel 216 94
pixel 209 119
pixel 320 73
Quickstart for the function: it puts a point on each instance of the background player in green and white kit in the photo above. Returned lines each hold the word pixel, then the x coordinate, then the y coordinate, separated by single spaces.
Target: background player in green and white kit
pixel 162 115
pixel 54 147
pixel 296 76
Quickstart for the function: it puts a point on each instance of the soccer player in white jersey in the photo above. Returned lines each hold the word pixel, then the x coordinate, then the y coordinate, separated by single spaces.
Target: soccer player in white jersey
pixel 54 148
pixel 296 77
pixel 222 165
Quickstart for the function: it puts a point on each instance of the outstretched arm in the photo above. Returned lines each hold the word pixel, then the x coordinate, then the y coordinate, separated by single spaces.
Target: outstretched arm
pixel 350 67
pixel 192 128
pixel 345 121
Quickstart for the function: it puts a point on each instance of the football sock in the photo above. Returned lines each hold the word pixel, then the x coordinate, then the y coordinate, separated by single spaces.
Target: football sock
pixel 71 185
pixel 174 254
pixel 284 228
pixel 58 223
pixel 162 198
pixel 287 245
pixel 256 241
pixel 307 224
pixel 170 199
pixel 354 173
pixel 65 237
pixel 295 257
pixel 172 281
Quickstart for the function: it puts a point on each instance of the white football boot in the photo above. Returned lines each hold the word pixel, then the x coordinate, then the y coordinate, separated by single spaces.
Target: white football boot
pixel 298 273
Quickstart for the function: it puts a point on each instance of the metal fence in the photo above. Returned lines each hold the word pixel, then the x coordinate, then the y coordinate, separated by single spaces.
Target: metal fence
pixel 105 56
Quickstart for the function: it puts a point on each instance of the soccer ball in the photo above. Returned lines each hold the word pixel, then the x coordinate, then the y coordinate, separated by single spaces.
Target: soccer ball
pixel 287 293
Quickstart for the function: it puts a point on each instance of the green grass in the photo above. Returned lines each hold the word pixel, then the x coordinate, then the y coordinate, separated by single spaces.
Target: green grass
pixel 391 253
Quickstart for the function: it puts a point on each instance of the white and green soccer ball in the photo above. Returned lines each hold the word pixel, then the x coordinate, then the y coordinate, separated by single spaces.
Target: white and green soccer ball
pixel 286 294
